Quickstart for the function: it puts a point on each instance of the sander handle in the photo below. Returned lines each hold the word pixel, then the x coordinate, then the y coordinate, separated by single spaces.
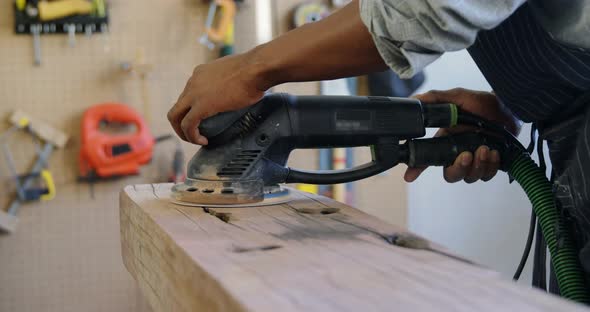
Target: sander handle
pixel 416 153
pixel 385 155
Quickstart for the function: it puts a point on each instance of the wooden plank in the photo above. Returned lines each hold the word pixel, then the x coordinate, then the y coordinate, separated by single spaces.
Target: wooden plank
pixel 313 254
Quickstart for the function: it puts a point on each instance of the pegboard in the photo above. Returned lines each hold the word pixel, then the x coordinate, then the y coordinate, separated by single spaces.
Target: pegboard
pixel 65 255
pixel 71 79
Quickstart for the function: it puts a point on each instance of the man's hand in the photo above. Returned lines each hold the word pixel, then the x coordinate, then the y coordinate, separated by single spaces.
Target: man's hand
pixel 337 46
pixel 485 163
pixel 229 83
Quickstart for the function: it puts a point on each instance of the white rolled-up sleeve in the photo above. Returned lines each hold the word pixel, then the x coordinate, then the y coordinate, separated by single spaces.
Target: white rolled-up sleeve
pixel 410 34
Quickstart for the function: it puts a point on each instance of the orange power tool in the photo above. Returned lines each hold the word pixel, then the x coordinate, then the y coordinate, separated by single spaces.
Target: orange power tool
pixel 109 154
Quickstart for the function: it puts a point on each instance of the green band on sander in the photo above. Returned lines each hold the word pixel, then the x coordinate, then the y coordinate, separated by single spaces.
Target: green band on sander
pixel 454 115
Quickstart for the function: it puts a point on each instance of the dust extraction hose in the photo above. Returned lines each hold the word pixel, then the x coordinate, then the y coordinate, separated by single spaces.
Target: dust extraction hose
pixel 568 270
pixel 569 273
pixel 518 163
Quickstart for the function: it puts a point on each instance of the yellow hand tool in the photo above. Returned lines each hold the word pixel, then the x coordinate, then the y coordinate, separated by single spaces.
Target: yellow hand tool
pixel 228 13
pixel 220 33
pixel 21 5
pixel 99 7
pixel 38 184
pixel 47 178
pixel 63 8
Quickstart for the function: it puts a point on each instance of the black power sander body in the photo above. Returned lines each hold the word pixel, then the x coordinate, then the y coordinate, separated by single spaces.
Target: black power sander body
pixel 248 149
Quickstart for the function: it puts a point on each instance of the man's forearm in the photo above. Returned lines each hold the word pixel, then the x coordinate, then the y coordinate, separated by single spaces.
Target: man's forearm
pixel 335 47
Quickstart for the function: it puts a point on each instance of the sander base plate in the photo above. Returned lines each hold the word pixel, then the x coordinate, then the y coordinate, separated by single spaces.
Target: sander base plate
pixel 277 196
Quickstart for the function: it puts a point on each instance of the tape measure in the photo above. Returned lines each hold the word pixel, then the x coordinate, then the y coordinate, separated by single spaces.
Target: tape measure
pixel 308 13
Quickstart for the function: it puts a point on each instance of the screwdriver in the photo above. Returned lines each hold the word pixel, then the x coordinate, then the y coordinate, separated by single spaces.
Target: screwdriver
pixel 36 32
pixel 204 40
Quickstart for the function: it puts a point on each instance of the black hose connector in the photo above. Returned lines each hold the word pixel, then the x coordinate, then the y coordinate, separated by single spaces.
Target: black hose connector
pixel 439 115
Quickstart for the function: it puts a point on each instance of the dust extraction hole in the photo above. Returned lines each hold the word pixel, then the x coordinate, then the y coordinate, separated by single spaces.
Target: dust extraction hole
pixel 227 191
pixel 192 189
pixel 208 191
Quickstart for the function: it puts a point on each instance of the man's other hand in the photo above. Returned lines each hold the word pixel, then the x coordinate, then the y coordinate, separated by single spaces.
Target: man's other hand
pixel 484 163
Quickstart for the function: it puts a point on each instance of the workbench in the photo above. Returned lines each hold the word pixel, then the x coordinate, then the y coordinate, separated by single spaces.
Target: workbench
pixel 311 254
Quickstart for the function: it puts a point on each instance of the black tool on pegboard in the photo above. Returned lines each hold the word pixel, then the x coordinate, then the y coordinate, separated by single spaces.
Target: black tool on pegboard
pixel 35 17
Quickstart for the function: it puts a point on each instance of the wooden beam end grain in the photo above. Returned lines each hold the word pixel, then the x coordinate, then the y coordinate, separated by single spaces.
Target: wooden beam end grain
pixel 166 274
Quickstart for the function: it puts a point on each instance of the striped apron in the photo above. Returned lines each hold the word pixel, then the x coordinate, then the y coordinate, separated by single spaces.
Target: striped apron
pixel 545 82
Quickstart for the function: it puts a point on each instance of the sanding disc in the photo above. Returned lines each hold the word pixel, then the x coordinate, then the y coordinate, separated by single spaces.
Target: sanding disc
pixel 216 193
pixel 284 196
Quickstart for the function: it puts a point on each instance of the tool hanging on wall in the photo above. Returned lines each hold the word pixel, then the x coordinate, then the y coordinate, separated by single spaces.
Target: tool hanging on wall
pixel 116 142
pixel 69 17
pixel 107 151
pixel 141 68
pixel 222 34
pixel 38 184
pixel 308 13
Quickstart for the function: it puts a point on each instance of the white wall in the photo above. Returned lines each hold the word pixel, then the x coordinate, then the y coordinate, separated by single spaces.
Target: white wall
pixel 487 222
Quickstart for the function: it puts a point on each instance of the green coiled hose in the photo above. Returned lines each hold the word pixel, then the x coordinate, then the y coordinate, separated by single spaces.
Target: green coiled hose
pixel 570 276
pixel 569 273
pixel 518 163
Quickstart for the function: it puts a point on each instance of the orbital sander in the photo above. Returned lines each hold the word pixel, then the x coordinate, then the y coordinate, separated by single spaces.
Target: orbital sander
pixel 245 160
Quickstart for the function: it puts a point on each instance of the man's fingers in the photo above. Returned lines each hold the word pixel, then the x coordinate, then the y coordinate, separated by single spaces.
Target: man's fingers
pixel 175 116
pixel 459 169
pixel 190 128
pixel 428 97
pixel 493 166
pixel 437 96
pixel 480 165
pixel 179 110
pixel 185 90
pixel 413 173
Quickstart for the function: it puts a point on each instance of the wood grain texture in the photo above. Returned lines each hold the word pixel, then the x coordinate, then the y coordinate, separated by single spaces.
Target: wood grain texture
pixel 312 254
